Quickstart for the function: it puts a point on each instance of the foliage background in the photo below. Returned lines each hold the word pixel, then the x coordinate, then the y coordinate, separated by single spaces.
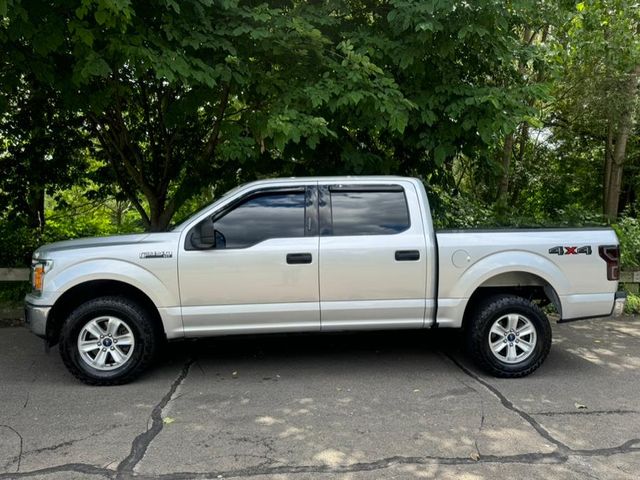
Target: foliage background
pixel 120 116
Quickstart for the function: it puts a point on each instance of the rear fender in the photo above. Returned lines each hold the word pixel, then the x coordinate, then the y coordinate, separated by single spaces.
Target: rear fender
pixel 452 305
pixel 507 262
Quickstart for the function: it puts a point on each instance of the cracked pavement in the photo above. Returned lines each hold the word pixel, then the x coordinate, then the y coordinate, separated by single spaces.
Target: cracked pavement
pixel 352 406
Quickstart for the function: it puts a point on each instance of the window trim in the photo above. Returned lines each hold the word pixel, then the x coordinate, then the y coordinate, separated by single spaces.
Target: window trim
pixel 310 225
pixel 366 188
pixel 325 207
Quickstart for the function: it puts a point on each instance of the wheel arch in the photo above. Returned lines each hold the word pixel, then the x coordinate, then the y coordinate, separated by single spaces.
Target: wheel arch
pixel 91 289
pixel 518 283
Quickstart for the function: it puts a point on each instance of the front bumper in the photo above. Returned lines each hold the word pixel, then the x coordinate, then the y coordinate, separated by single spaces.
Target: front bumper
pixel 619 303
pixel 36 318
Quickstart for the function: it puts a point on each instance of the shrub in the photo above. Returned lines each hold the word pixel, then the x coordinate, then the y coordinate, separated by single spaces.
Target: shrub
pixel 633 304
pixel 628 230
pixel 17 243
pixel 458 210
pixel 12 293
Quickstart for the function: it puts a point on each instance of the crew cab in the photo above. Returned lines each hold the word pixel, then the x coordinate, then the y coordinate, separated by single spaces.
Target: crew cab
pixel 317 255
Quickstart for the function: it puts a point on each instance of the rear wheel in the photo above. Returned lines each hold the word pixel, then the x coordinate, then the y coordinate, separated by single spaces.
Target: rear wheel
pixel 508 336
pixel 108 341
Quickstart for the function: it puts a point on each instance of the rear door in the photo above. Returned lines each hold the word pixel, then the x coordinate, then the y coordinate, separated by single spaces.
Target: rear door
pixel 372 256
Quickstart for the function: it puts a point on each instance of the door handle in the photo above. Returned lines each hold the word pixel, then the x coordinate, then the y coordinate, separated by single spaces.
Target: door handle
pixel 298 258
pixel 407 255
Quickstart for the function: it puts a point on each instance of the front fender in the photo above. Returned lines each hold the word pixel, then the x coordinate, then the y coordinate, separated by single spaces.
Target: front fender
pixel 162 291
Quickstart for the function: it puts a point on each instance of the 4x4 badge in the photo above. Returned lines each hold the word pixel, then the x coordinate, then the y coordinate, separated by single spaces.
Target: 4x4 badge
pixel 570 250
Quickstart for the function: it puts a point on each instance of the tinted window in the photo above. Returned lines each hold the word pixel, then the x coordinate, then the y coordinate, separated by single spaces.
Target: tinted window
pixel 264 216
pixel 369 212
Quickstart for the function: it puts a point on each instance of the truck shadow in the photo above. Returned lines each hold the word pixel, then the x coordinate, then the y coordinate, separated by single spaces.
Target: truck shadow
pixel 589 346
pixel 310 346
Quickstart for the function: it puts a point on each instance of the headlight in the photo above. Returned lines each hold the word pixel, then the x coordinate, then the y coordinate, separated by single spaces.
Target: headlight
pixel 38 270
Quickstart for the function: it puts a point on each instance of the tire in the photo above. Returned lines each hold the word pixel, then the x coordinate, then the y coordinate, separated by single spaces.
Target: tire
pixel 116 318
pixel 492 342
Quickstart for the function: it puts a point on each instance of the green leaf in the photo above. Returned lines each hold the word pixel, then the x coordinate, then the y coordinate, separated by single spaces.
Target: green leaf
pixel 440 154
pixel 101 16
pixel 94 66
pixel 85 35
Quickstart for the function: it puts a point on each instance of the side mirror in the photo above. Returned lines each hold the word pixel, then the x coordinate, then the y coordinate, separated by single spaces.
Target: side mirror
pixel 203 236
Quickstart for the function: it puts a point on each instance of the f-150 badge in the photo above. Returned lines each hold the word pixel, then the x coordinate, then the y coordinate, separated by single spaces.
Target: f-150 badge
pixel 160 254
pixel 570 250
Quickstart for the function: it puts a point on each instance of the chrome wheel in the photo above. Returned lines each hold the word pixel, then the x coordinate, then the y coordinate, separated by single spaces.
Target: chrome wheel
pixel 512 338
pixel 106 343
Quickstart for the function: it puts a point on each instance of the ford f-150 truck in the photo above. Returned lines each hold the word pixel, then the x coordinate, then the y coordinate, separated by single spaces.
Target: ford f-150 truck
pixel 317 255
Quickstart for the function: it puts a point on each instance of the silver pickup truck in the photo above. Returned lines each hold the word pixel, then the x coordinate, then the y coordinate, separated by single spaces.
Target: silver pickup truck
pixel 317 255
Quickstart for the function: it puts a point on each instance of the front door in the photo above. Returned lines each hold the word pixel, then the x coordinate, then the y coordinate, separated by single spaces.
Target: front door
pixel 262 274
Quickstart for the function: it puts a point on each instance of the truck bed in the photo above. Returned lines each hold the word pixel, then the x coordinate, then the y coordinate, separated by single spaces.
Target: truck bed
pixel 564 261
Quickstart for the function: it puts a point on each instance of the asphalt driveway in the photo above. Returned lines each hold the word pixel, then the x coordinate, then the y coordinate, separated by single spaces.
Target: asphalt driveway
pixel 352 406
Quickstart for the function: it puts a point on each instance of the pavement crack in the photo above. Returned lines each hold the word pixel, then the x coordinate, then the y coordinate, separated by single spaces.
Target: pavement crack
pixel 199 365
pixel 563 449
pixel 482 416
pixel 632 445
pixel 508 404
pixel 67 467
pixel 270 471
pixel 588 412
pixel 475 441
pixel 35 377
pixel 141 443
pixel 8 427
pixel 57 446
pixel 270 467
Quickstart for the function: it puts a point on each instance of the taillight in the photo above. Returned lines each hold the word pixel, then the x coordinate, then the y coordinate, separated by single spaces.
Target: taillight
pixel 611 255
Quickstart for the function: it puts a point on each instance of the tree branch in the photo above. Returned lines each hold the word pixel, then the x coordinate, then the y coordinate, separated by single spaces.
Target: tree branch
pixel 108 146
pixel 212 141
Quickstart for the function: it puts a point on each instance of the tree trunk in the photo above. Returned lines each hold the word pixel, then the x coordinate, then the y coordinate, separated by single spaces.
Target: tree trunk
pixel 522 148
pixel 528 36
pixel 624 126
pixel 160 213
pixel 507 149
pixel 608 162
pixel 35 204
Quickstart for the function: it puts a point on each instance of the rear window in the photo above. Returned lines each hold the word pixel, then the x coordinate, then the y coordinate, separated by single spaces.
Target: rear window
pixel 364 212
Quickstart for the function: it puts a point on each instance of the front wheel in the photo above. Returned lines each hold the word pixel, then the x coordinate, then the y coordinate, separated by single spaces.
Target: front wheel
pixel 508 336
pixel 108 341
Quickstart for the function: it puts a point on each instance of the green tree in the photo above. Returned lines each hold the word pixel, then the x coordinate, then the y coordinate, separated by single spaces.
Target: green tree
pixel 598 94
pixel 41 150
pixel 460 63
pixel 509 107
pixel 177 95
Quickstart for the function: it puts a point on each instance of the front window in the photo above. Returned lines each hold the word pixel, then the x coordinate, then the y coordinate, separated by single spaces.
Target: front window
pixel 261 217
